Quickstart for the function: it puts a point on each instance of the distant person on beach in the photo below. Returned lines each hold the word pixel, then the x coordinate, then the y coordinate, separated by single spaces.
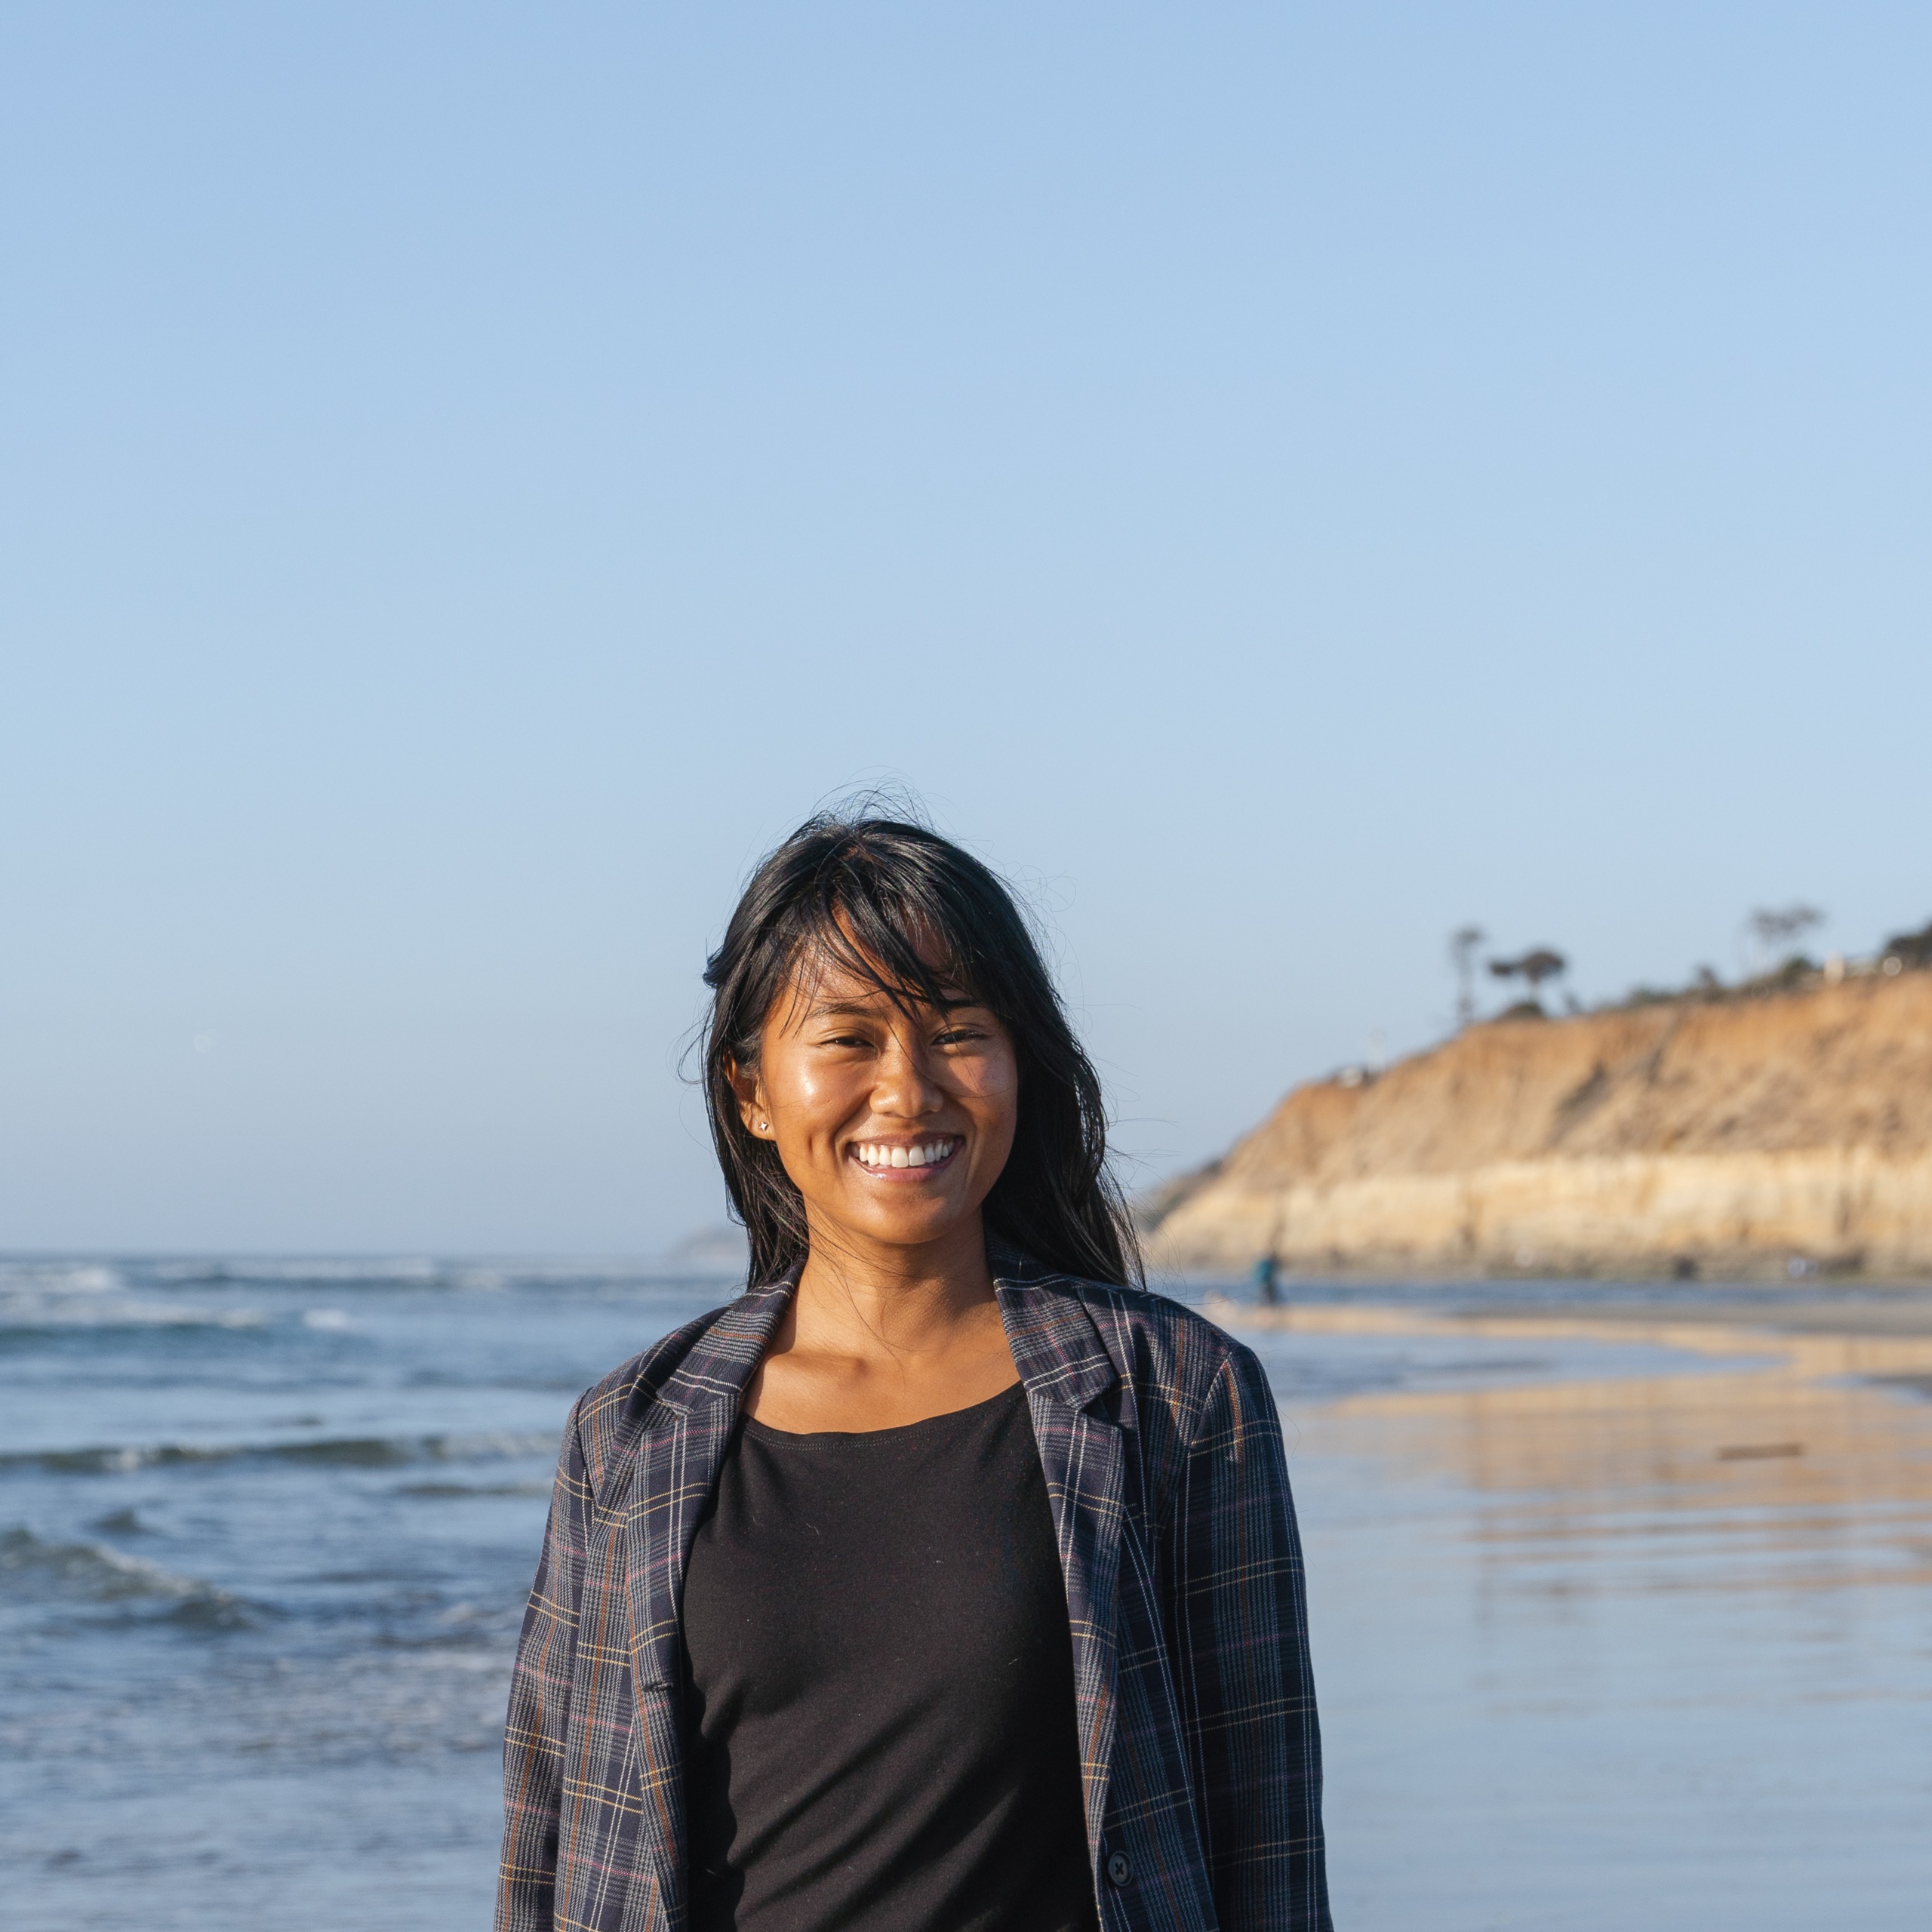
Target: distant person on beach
pixel 1267 1279
pixel 945 1579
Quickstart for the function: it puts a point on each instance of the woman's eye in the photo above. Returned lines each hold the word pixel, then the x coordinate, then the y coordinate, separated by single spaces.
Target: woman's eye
pixel 959 1037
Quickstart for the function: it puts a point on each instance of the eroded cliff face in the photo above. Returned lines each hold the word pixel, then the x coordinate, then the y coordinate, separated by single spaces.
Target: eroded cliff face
pixel 1717 1138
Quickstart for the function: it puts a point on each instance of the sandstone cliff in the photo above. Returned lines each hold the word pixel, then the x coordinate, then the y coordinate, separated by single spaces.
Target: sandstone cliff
pixel 1728 1137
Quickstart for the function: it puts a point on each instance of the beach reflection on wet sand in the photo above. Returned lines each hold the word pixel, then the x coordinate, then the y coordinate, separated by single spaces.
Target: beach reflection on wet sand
pixel 1619 1619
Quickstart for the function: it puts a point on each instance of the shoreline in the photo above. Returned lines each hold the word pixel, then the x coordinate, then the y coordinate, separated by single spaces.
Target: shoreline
pixel 1904 1313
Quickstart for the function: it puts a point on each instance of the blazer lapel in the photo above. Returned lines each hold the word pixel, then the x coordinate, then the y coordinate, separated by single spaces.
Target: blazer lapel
pixel 685 1437
pixel 1067 1371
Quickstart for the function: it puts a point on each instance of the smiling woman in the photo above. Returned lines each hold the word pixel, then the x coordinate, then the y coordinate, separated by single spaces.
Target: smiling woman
pixel 880 915
pixel 947 1578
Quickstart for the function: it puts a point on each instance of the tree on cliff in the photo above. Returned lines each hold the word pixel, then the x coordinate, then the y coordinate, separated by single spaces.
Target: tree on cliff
pixel 1776 929
pixel 1539 964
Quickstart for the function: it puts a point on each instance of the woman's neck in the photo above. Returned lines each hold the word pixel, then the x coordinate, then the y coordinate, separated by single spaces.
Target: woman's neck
pixel 870 1295
pixel 877 1340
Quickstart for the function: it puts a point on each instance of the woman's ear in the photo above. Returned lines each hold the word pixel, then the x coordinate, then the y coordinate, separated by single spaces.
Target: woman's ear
pixel 752 1109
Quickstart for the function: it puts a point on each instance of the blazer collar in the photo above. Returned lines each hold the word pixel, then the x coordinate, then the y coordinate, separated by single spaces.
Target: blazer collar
pixel 722 1362
pixel 1056 1347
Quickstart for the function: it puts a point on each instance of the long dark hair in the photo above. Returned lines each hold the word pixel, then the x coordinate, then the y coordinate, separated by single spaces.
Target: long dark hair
pixel 869 893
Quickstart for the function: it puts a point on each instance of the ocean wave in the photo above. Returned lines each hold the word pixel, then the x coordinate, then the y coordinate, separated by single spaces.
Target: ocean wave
pixel 366 1452
pixel 445 1490
pixel 36 1571
pixel 77 1278
pixel 38 1312
pixel 63 1277
pixel 412 1271
pixel 37 1295
pixel 472 1273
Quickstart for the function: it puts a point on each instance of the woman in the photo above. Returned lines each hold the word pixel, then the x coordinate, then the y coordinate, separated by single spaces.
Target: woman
pixel 945 1579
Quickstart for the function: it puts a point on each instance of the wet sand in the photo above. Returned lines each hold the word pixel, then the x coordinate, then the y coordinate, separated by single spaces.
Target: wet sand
pixel 1621 1617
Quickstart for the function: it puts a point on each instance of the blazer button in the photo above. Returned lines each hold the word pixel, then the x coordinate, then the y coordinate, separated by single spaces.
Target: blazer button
pixel 1119 1870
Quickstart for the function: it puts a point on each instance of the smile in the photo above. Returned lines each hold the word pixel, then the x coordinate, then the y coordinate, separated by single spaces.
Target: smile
pixel 884 1157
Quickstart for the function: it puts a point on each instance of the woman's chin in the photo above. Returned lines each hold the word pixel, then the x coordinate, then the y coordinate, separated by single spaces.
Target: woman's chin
pixel 910 1221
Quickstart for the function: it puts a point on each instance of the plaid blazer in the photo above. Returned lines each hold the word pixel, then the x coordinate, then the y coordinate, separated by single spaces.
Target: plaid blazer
pixel 1195 1708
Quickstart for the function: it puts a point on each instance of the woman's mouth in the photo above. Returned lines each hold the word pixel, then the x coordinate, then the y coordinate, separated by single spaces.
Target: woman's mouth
pixel 906 1160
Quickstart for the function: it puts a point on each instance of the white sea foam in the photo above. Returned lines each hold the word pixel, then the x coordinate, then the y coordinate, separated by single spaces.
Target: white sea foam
pixel 96 1308
pixel 372 1452
pixel 59 1277
pixel 350 1270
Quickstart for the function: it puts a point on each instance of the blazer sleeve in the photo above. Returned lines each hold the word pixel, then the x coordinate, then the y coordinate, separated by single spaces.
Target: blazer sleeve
pixel 1247 1691
pixel 539 1704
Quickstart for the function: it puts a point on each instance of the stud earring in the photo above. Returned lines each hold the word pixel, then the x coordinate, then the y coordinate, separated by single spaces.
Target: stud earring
pixel 762 1125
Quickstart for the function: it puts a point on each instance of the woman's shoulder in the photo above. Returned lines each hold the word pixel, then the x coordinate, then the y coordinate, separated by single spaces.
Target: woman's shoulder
pixel 1172 1355
pixel 644 1372
pixel 1143 1308
pixel 610 1415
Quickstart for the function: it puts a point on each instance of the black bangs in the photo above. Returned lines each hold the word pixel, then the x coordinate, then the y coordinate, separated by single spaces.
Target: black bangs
pixel 907 944
pixel 896 906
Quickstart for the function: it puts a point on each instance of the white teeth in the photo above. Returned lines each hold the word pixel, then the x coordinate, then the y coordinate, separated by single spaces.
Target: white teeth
pixel 926 1154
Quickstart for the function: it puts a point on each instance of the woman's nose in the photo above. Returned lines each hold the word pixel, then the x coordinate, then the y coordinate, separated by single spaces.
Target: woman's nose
pixel 905 1086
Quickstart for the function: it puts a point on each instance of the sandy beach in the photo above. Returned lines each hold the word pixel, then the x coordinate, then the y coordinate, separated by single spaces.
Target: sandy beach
pixel 1622 1614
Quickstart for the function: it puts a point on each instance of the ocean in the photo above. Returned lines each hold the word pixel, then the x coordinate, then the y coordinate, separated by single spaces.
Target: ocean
pixel 1616 1619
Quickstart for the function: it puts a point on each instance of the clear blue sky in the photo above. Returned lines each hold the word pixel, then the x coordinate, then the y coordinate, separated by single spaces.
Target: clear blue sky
pixel 1279 481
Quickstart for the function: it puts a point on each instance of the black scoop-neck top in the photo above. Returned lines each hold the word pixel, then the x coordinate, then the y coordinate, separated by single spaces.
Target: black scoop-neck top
pixel 880 1734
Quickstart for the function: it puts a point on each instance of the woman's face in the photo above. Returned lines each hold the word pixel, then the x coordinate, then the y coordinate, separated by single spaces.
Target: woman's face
pixel 894 1124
